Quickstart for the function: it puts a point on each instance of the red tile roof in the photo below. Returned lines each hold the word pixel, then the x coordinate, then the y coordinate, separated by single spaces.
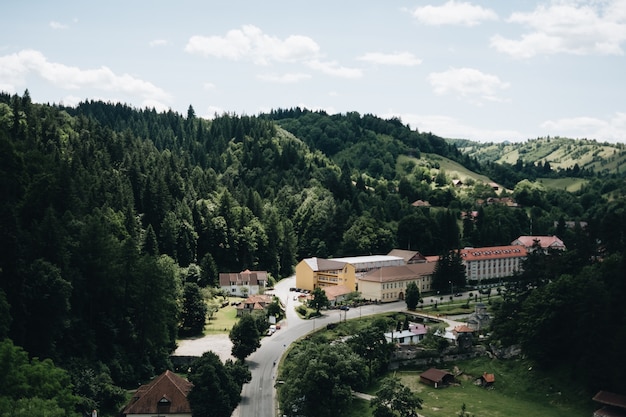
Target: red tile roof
pixel 167 387
pixel 489 377
pixel 544 241
pixel 493 252
pixel 435 375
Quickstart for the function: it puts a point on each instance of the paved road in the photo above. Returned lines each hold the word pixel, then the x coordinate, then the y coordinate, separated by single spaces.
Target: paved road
pixel 258 395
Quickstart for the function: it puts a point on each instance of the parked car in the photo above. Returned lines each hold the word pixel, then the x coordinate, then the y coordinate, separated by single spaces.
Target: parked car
pixel 344 308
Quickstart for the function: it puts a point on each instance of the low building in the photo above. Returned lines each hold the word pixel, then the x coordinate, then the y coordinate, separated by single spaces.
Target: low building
pixel 254 304
pixel 243 284
pixel 165 395
pixel 415 334
pixel 492 262
pixel 479 320
pixel 409 256
pixel 389 284
pixel 336 294
pixel 546 243
pixel 486 380
pixel 436 378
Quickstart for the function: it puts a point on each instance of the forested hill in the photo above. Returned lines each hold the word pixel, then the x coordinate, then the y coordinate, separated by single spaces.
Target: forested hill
pixel 107 212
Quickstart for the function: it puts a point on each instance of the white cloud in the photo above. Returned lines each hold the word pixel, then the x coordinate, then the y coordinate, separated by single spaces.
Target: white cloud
pixel 288 78
pixel 212 112
pixel 159 42
pixel 16 67
pixel 333 69
pixel 454 13
pixel 251 43
pixel 450 127
pixel 568 27
pixel 58 25
pixel 610 129
pixel 467 82
pixel 208 86
pixel 406 59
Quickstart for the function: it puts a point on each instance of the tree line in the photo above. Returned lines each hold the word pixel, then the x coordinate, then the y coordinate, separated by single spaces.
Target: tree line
pixel 109 213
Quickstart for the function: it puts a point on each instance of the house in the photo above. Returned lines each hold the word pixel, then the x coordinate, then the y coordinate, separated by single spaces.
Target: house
pixel 492 262
pixel 420 203
pixel 546 243
pixel 165 396
pixel 614 405
pixel 254 304
pixel 243 283
pixel 414 334
pixel 486 380
pixel 436 378
pixel 409 256
pixel 389 283
pixel 463 336
pixel 336 294
pixel 457 183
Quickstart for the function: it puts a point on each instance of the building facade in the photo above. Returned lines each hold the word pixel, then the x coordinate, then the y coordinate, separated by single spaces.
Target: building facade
pixel 317 272
pixel 389 283
pixel 243 284
pixel 492 262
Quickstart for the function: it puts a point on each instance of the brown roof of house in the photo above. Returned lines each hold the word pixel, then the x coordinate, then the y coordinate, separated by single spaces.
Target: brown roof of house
pixel 420 203
pixel 435 375
pixel 399 273
pixel 463 329
pixel 610 398
pixel 167 387
pixel 409 256
pixel 238 278
pixel 335 291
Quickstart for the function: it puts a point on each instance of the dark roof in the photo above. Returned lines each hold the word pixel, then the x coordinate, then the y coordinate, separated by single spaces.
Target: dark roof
pixel 167 387
pixel 610 398
pixel 435 375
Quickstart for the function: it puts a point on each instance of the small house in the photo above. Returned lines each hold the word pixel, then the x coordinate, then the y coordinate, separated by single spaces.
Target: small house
pixel 165 395
pixel 486 380
pixel 436 378
pixel 254 304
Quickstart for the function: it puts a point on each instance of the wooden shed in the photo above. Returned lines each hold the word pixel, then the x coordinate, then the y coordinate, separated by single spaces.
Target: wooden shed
pixel 436 378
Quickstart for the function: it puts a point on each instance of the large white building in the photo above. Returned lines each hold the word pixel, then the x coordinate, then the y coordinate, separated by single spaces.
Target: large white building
pixel 492 262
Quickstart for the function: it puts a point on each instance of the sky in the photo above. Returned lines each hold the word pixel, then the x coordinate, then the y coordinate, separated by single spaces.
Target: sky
pixel 489 71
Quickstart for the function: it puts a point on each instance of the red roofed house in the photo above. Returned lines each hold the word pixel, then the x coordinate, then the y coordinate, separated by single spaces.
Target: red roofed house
pixel 437 378
pixel 486 380
pixel 166 395
pixel 254 304
pixel 492 262
pixel 545 242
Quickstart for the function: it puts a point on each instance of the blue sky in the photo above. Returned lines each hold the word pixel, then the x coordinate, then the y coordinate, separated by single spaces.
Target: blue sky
pixel 482 70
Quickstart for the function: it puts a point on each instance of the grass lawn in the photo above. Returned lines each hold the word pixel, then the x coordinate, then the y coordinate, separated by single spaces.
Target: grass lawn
pixel 519 391
pixel 223 320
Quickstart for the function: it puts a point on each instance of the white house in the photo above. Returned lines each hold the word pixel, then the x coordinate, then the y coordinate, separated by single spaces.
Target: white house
pixel 244 283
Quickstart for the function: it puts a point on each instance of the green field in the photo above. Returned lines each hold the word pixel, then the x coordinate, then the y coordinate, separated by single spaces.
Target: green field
pixel 223 320
pixel 519 391
pixel 568 184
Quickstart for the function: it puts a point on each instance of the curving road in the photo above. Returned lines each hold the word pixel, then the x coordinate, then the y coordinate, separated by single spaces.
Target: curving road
pixel 258 395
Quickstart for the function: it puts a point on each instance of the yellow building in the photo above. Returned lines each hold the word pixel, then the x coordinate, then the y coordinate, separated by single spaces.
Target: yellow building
pixel 389 283
pixel 317 272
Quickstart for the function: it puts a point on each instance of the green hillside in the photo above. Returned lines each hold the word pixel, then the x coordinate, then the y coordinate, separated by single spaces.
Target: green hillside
pixel 560 153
